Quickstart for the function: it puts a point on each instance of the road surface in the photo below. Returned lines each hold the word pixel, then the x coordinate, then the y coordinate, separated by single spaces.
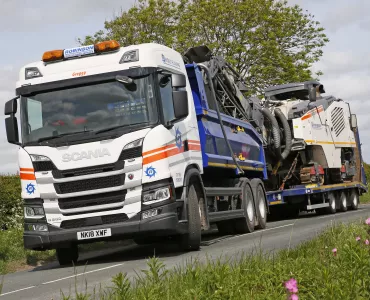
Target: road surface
pixel 97 268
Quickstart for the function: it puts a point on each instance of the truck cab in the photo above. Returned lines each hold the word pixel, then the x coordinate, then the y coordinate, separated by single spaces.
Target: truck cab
pixel 106 135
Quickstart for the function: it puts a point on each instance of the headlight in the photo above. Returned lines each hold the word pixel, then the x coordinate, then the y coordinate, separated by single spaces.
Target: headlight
pixel 136 143
pixel 35 157
pixel 156 195
pixel 33 212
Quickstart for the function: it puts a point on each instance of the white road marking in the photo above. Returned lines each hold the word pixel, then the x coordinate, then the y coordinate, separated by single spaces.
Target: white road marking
pixel 88 272
pixel 259 231
pixel 339 214
pixel 12 292
pixel 56 280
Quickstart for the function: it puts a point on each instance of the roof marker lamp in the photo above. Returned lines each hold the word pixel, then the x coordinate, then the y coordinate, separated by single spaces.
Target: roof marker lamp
pixel 32 72
pixel 130 56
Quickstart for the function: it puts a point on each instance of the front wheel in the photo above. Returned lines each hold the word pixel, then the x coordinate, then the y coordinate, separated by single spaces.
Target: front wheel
pixel 67 256
pixel 191 240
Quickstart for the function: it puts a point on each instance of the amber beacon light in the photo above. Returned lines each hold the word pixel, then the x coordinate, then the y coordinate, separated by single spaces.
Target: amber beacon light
pixel 101 47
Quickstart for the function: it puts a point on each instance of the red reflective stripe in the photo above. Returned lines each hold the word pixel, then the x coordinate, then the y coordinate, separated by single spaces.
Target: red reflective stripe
pixel 27 176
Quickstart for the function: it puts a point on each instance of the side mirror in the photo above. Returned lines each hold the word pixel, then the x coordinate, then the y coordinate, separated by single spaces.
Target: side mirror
pixel 11 107
pixel 180 104
pixel 11 123
pixel 312 94
pixel 178 80
pixel 353 121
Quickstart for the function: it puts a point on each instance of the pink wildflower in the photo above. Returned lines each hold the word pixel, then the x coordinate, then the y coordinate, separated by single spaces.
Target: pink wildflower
pixel 358 238
pixel 291 285
pixel 293 297
pixel 367 242
pixel 367 221
pixel 334 251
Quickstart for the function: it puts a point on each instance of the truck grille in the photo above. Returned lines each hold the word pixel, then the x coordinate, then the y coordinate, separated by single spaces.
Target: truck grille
pixel 89 170
pixel 86 222
pixel 89 184
pixel 92 200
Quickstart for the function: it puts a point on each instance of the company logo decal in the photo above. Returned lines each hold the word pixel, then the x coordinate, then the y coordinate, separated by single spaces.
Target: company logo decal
pixel 170 62
pixel 178 138
pixel 150 172
pixel 75 156
pixel 30 188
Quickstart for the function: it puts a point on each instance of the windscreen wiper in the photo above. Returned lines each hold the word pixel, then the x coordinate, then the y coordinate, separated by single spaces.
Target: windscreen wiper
pixel 47 138
pixel 117 126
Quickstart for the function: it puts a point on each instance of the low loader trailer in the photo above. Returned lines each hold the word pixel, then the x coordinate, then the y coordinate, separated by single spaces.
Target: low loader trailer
pixel 142 142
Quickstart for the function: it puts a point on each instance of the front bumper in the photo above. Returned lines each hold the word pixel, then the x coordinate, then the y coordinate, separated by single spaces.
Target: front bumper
pixel 166 223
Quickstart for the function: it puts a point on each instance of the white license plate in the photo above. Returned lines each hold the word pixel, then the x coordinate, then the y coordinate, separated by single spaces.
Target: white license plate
pixel 93 234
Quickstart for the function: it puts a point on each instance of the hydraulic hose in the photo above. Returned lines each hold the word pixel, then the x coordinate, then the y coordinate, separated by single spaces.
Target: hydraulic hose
pixel 275 130
pixel 219 116
pixel 287 133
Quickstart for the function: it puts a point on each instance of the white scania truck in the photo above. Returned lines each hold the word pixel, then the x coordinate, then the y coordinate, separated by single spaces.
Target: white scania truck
pixel 132 142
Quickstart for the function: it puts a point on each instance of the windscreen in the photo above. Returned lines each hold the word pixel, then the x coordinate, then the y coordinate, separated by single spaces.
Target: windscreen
pixel 89 108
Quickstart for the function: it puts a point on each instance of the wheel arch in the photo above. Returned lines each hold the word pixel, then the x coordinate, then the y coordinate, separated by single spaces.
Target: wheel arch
pixel 193 176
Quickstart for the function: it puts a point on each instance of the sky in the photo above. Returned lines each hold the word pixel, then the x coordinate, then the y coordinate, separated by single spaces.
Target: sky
pixel 28 28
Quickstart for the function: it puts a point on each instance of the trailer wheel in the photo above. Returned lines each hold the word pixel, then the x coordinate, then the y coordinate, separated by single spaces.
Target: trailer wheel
pixel 191 240
pixel 67 256
pixel 353 199
pixel 332 208
pixel 343 202
pixel 260 202
pixel 247 223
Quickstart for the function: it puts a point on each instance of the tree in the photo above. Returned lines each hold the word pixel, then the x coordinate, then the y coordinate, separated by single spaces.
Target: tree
pixel 267 41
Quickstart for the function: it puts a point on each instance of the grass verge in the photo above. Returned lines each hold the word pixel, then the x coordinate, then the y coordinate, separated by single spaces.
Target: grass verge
pixel 14 257
pixel 365 198
pixel 335 265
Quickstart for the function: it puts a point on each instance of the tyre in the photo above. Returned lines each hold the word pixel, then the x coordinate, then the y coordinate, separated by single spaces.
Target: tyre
pixel 342 202
pixel 260 202
pixel 247 223
pixel 67 256
pixel 332 208
pixel 353 199
pixel 191 240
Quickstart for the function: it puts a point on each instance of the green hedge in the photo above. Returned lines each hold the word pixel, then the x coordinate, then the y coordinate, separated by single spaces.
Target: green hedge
pixel 11 206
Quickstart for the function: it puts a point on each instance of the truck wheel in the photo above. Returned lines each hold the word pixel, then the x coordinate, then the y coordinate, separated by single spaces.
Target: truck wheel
pixel 332 208
pixel 343 202
pixel 67 256
pixel 246 224
pixel 260 201
pixel 353 199
pixel 191 240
